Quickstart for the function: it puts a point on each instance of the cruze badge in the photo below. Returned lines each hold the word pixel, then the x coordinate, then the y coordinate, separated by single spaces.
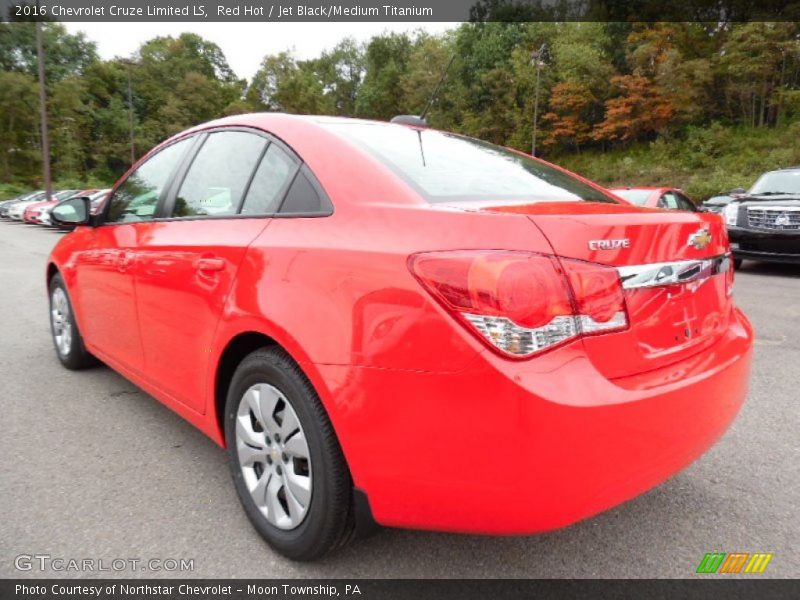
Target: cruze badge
pixel 609 244
pixel 700 239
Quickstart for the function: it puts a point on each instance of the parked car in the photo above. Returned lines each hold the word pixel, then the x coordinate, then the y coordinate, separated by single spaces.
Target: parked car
pixel 16 198
pixel 5 207
pixel 32 212
pixel 95 197
pixel 718 202
pixel 17 210
pixel 656 197
pixel 35 213
pixel 393 323
pixel 764 224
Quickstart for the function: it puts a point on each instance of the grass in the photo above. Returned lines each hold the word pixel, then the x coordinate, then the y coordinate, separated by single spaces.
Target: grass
pixel 705 162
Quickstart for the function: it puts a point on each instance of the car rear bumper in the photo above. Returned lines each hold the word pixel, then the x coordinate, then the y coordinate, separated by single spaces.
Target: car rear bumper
pixel 515 447
pixel 770 246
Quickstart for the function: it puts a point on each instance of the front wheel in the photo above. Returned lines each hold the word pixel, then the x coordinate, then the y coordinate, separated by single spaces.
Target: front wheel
pixel 288 469
pixel 737 263
pixel 66 337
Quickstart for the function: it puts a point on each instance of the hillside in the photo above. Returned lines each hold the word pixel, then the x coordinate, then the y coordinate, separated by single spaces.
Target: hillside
pixel 705 162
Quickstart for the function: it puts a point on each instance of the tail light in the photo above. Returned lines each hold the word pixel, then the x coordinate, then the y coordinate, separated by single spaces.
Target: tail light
pixel 522 303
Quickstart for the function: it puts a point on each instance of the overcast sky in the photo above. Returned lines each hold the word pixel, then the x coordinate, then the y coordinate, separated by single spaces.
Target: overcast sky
pixel 244 44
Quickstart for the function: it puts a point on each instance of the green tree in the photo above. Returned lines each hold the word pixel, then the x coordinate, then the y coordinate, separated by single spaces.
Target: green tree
pixel 71 126
pixel 286 85
pixel 387 62
pixel 340 72
pixel 66 53
pixel 757 61
pixel 19 123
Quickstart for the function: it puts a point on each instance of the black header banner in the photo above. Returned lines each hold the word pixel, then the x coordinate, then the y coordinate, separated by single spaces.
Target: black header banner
pixel 344 11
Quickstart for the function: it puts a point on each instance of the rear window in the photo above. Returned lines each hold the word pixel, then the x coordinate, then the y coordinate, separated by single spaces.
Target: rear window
pixel 446 167
pixel 634 196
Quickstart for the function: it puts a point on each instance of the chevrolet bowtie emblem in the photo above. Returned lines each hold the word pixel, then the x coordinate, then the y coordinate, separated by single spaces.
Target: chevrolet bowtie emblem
pixel 700 239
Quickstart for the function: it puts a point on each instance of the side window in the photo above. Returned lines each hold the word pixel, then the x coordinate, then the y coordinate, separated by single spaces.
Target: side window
pixel 219 174
pixel 304 197
pixel 685 204
pixel 668 200
pixel 269 182
pixel 137 197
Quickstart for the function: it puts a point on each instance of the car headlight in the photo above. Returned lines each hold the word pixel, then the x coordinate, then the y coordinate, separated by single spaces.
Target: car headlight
pixel 730 213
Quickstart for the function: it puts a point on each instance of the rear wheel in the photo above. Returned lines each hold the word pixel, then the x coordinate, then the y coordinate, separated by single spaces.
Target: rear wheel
pixel 288 469
pixel 66 337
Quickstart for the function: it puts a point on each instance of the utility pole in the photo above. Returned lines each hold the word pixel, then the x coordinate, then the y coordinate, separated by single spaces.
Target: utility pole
pixel 48 184
pixel 537 58
pixel 128 63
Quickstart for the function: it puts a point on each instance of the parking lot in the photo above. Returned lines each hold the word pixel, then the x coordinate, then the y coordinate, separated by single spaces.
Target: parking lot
pixel 94 468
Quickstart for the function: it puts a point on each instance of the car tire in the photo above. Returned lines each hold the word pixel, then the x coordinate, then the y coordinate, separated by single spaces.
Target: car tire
pixel 270 396
pixel 737 263
pixel 66 336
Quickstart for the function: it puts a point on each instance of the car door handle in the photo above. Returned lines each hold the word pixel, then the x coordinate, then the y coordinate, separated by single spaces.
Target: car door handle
pixel 209 264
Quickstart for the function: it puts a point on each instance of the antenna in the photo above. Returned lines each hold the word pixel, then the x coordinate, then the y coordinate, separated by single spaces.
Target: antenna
pixel 420 121
pixel 436 90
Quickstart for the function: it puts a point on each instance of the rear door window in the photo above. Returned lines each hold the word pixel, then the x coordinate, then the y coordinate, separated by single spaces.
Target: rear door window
pixel 218 176
pixel 269 183
pixel 669 201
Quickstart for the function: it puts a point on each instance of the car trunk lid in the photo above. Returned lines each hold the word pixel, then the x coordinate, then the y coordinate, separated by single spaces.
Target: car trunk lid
pixel 674 268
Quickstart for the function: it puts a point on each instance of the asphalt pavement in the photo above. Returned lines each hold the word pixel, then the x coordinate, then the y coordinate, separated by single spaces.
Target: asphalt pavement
pixel 94 468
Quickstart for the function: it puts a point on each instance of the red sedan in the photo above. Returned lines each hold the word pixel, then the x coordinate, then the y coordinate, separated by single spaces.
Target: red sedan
pixel 656 197
pixel 388 322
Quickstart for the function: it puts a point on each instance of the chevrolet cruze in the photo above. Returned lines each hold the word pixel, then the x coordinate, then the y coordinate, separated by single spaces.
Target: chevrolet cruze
pixel 386 323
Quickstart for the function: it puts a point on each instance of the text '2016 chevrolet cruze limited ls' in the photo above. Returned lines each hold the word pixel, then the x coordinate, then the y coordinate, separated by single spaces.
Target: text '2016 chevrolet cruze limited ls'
pixel 386 322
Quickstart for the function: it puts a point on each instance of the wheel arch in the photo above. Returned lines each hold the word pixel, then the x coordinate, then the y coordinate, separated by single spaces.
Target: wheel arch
pixel 235 349
pixel 52 271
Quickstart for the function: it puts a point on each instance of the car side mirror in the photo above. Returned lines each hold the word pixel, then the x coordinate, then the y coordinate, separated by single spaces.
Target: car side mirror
pixel 71 213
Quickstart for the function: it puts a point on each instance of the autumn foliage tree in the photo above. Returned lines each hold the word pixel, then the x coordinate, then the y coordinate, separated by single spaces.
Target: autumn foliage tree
pixel 567 120
pixel 640 110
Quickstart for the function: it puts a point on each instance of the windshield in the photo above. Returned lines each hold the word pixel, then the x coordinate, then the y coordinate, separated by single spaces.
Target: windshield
pixel 787 182
pixel 638 197
pixel 446 167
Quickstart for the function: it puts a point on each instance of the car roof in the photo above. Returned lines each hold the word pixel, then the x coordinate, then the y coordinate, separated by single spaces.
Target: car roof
pixel 328 154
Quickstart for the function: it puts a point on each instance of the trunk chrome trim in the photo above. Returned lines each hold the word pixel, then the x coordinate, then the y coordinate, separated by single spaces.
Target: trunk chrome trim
pixel 673 272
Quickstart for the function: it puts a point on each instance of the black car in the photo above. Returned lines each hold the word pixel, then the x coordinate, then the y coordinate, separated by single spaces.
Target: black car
pixel 765 223
pixel 717 203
